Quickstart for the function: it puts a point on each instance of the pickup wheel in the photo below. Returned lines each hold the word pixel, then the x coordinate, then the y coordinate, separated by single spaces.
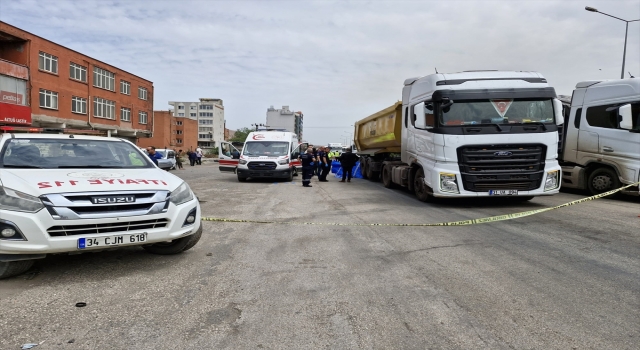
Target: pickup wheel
pixel 386 177
pixel 14 268
pixel 176 246
pixel 241 178
pixel 602 180
pixel 420 188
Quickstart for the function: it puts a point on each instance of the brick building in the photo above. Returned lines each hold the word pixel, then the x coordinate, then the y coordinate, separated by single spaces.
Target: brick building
pixel 44 84
pixel 172 132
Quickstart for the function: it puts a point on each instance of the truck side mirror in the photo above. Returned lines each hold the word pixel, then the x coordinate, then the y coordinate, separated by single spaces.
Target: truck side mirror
pixel 626 120
pixel 557 111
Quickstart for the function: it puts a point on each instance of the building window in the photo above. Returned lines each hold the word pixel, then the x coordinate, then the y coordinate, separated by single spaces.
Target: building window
pixel 48 63
pixel 142 93
pixel 206 106
pixel 179 122
pixel 193 115
pixel 142 117
pixel 179 132
pixel 205 128
pixel 79 105
pixel 78 72
pixel 180 114
pixel 179 141
pixel 180 107
pixel 125 114
pixel 205 136
pixel 205 122
pixel 104 108
pixel 206 114
pixel 104 79
pixel 48 99
pixel 125 87
pixel 192 107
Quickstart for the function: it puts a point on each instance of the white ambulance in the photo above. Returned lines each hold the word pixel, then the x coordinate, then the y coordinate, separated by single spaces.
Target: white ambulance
pixel 72 193
pixel 266 154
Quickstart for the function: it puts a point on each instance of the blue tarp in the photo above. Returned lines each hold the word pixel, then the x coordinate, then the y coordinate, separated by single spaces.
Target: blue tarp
pixel 355 172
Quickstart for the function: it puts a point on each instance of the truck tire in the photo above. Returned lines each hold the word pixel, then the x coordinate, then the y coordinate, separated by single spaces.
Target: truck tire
pixel 174 247
pixel 241 179
pixel 420 189
pixel 14 268
pixel 364 165
pixel 602 180
pixel 387 177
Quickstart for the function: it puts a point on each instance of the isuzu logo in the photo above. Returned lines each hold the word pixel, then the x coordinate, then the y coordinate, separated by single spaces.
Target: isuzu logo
pixel 113 199
pixel 503 154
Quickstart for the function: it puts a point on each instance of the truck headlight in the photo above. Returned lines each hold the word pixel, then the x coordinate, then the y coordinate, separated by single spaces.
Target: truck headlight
pixel 448 183
pixel 553 180
pixel 18 201
pixel 242 161
pixel 182 194
pixel 283 161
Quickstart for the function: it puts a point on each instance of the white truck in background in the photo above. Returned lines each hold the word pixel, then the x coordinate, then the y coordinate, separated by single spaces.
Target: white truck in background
pixel 600 141
pixel 469 134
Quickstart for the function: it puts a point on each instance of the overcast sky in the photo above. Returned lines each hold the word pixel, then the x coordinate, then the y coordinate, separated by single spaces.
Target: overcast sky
pixel 336 61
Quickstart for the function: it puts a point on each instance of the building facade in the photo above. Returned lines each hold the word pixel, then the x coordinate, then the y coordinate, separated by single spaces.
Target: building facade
pixel 179 133
pixel 51 86
pixel 285 119
pixel 209 113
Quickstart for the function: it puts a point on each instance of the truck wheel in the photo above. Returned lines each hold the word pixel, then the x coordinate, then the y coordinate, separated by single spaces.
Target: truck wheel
pixel 364 164
pixel 174 247
pixel 14 268
pixel 602 180
pixel 241 179
pixel 386 177
pixel 420 188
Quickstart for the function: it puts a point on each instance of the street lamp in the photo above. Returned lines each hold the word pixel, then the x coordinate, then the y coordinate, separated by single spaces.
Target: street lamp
pixel 624 54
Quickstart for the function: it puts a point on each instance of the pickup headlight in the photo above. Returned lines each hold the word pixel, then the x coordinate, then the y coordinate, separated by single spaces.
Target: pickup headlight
pixel 553 180
pixel 283 161
pixel 181 195
pixel 448 183
pixel 18 201
pixel 242 161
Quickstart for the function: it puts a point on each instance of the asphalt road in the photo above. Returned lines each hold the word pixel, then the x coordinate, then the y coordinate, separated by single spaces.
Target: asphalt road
pixel 564 279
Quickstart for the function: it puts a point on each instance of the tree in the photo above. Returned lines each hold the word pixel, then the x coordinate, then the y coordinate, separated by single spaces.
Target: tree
pixel 241 135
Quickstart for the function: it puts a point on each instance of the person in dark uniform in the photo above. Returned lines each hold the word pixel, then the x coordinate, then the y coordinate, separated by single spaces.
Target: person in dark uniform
pixel 308 162
pixel 347 161
pixel 325 164
pixel 316 167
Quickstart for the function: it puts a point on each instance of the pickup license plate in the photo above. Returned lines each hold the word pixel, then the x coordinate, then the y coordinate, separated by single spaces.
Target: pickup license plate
pixel 503 192
pixel 101 242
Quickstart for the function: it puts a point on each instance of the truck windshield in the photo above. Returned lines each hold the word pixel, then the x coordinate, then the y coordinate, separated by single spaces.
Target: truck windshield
pixel 266 148
pixel 501 111
pixel 70 153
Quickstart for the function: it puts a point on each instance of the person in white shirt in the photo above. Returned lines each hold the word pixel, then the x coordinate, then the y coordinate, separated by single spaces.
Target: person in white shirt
pixel 199 156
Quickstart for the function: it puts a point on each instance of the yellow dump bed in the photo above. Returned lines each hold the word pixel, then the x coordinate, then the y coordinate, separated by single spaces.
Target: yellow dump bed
pixel 380 132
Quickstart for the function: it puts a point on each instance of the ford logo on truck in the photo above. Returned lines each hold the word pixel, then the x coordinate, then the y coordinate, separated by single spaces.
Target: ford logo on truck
pixel 113 199
pixel 503 154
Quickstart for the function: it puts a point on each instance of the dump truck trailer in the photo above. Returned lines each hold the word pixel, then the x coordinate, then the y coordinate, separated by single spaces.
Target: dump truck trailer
pixel 469 134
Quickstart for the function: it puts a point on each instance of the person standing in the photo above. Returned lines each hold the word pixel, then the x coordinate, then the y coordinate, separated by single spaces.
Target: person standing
pixel 199 156
pixel 179 160
pixel 307 160
pixel 325 165
pixel 192 157
pixel 347 161
pixel 153 155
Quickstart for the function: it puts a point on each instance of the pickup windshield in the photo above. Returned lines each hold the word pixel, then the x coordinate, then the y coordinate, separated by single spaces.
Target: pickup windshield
pixel 497 111
pixel 266 148
pixel 70 153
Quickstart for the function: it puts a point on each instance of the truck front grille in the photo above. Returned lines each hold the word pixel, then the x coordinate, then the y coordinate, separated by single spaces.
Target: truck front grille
pixel 114 227
pixel 100 205
pixel 490 167
pixel 261 165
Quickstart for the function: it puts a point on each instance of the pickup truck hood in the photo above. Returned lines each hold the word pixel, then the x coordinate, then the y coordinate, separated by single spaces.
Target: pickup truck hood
pixel 37 182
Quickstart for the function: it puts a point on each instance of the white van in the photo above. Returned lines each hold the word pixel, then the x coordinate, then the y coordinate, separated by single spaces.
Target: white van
pixel 266 154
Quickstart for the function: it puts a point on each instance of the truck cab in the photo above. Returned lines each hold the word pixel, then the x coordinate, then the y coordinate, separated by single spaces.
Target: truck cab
pixel 601 148
pixel 265 154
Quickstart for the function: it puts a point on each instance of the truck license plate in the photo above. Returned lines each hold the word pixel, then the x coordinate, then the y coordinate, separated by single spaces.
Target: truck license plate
pixel 101 242
pixel 503 192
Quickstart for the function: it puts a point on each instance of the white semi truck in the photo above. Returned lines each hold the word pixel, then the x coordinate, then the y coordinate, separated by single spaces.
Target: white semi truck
pixel 469 134
pixel 600 148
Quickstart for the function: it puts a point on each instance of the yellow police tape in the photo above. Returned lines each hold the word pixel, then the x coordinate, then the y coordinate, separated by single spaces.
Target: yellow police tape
pixel 451 223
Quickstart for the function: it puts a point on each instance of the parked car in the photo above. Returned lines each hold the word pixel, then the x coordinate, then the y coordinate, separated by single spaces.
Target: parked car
pixel 168 161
